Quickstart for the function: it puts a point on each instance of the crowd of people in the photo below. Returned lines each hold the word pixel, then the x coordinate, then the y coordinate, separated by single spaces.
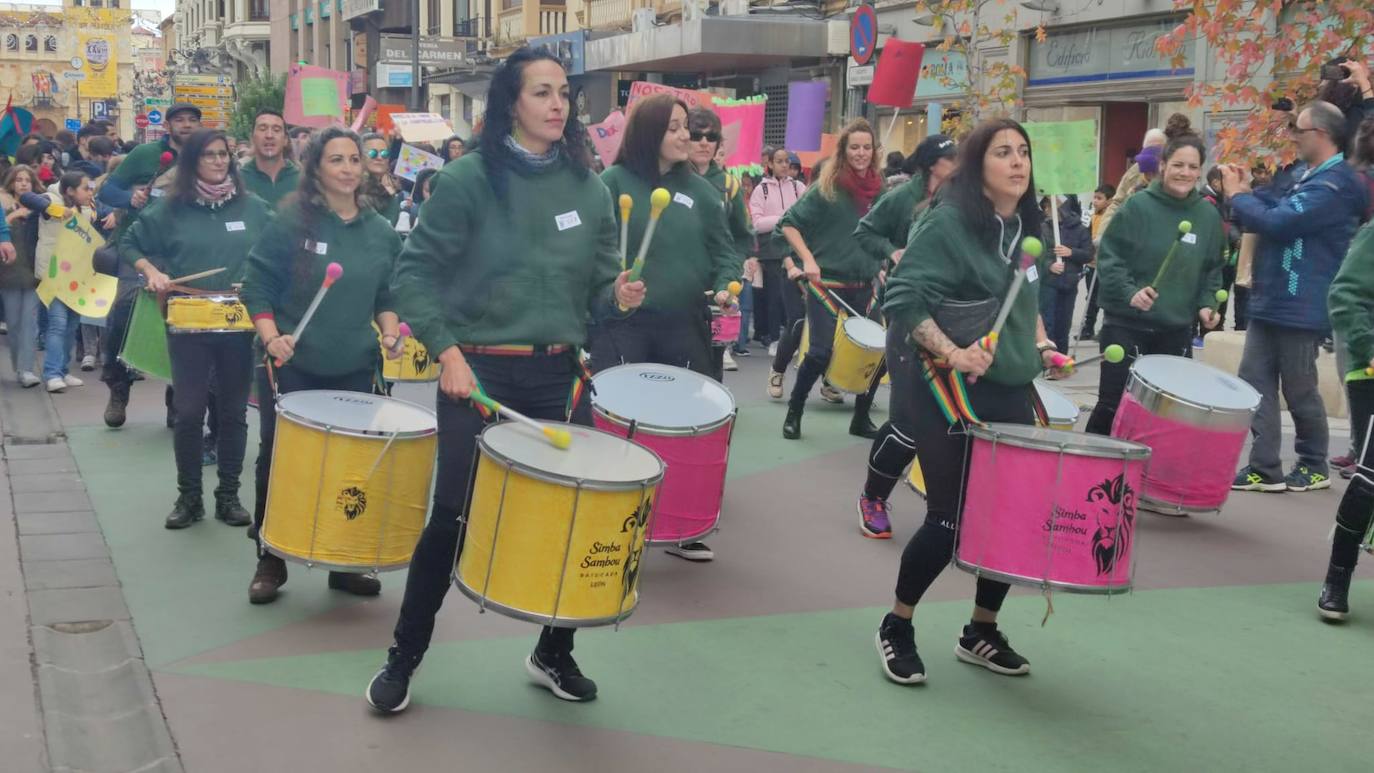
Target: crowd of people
pixel 517 287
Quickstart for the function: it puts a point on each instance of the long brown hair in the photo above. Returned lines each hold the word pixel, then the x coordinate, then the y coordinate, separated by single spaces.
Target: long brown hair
pixel 644 130
pixel 840 162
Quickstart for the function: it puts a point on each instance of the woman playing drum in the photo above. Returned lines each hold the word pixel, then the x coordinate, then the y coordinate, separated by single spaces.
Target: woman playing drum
pixel 963 251
pixel 208 220
pixel 820 229
pixel 501 287
pixel 322 223
pixel 1149 298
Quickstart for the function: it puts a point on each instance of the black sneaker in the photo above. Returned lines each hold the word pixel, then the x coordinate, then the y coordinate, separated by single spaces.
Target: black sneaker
pixel 356 584
pixel 559 673
pixel 188 509
pixel 692 551
pixel 231 513
pixel 389 690
pixel 896 640
pixel 1334 603
pixel 115 409
pixel 991 651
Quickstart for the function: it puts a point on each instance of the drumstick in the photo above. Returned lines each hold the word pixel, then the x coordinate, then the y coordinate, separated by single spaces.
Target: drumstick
pixel 332 272
pixel 197 275
pixel 403 333
pixel 626 205
pixel 560 438
pixel 658 202
pixel 1184 228
pixel 1113 354
pixel 1031 248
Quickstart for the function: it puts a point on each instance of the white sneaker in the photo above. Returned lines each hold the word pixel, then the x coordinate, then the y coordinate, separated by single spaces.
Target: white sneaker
pixel 71 380
pixel 88 362
pixel 28 379
pixel 692 551
pixel 729 361
pixel 57 385
pixel 831 395
pixel 775 385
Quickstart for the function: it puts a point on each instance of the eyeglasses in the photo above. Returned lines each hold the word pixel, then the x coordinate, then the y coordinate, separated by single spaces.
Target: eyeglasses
pixel 1294 129
pixel 708 136
pixel 374 153
pixel 216 155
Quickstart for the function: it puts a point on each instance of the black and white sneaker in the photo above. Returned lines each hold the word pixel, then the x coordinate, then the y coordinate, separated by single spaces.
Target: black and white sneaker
pixel 692 551
pixel 389 690
pixel 991 651
pixel 896 640
pixel 559 673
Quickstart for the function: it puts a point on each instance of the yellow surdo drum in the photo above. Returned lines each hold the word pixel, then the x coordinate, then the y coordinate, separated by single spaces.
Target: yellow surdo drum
pixel 556 536
pixel 414 364
pixel 207 314
pixel 350 480
pixel 855 354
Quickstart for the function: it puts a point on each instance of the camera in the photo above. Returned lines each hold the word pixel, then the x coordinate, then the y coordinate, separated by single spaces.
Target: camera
pixel 1335 70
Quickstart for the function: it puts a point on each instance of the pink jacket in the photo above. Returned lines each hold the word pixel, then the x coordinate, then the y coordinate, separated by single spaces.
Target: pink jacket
pixel 770 201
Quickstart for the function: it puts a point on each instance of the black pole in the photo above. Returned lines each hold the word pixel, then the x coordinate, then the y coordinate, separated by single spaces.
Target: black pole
pixel 415 56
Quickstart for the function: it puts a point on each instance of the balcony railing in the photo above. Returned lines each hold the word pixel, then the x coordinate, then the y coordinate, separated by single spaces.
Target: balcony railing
pixel 511 29
pixel 618 14
pixel 471 28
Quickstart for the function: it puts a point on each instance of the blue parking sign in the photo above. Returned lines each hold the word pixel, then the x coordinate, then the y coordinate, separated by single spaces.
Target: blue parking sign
pixel 73 124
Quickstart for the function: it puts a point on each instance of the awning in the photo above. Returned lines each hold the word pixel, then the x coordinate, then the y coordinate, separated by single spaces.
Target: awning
pixel 711 44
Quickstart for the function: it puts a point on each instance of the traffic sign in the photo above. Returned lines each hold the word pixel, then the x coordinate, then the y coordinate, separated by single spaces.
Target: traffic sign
pixel 75 75
pixel 141 121
pixel 863 34
pixel 154 117
pixel 73 124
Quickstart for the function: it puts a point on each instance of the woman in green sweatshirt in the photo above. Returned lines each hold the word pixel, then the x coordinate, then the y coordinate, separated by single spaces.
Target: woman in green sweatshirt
pixel 963 251
pixel 501 286
pixel 692 253
pixel 820 230
pixel 207 220
pixel 322 223
pixel 1147 312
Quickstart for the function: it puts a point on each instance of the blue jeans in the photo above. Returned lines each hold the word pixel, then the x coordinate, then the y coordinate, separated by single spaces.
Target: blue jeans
pixel 59 340
pixel 21 315
pixel 746 310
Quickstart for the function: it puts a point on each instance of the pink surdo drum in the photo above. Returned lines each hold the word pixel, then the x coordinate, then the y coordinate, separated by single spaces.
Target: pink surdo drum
pixel 1050 509
pixel 686 419
pixel 725 326
pixel 1194 418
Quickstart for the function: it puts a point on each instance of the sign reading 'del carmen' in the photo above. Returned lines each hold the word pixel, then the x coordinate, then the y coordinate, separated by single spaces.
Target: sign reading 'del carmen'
pixel 433 51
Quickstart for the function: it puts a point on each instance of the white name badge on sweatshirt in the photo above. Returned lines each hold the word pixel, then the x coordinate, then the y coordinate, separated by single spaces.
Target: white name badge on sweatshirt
pixel 568 220
pixel 684 200
pixel 319 248
pixel 156 192
pixel 1189 238
pixel 234 225
pixel 1032 274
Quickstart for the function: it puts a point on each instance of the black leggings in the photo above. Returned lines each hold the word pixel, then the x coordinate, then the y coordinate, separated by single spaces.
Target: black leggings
pixel 1137 343
pixel 200 360
pixel 536 386
pixel 895 447
pixel 1356 510
pixel 943 451
pixel 794 315
pixel 681 338
pixel 821 339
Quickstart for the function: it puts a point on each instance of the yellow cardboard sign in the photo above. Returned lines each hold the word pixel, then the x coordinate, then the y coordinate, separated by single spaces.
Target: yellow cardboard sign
pixel 71 276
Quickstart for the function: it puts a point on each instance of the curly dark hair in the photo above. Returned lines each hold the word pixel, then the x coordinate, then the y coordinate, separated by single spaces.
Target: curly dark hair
pixel 1177 126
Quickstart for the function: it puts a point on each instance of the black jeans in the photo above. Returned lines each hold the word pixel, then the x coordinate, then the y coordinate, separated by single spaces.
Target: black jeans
pixel 895 447
pixel 1357 506
pixel 197 358
pixel 943 450
pixel 1137 342
pixel 113 371
pixel 680 338
pixel 769 312
pixel 289 379
pixel 537 387
pixel 821 339
pixel 793 319
pixel 1090 314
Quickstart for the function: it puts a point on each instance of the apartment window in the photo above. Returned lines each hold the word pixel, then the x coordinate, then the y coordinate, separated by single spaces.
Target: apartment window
pixel 506 5
pixel 31 43
pixel 259 10
pixel 50 43
pixel 11 42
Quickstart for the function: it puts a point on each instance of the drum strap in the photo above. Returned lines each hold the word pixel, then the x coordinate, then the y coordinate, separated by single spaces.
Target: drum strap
pixel 1042 416
pixel 824 297
pixel 581 382
pixel 950 393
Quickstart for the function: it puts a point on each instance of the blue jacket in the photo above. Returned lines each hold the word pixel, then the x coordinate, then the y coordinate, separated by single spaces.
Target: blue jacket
pixel 1303 238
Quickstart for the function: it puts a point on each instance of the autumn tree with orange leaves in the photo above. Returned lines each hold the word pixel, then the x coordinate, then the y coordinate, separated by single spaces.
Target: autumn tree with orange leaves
pixel 991 87
pixel 1266 49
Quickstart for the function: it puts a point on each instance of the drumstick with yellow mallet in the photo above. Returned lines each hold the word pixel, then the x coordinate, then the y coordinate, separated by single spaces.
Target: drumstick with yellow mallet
pixel 627 205
pixel 332 272
pixel 658 201
pixel 560 438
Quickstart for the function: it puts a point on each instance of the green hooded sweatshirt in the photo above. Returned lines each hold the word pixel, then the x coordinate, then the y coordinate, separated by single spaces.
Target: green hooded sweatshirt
pixel 267 189
pixel 1351 302
pixel 945 260
pixel 181 239
pixel 885 228
pixel 828 226
pixel 692 250
pixel 728 188
pixel 1134 246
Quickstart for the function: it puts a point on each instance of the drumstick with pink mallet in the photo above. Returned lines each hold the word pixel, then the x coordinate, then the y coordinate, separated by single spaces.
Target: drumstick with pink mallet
pixel 560 438
pixel 332 272
pixel 1031 249
pixel 403 332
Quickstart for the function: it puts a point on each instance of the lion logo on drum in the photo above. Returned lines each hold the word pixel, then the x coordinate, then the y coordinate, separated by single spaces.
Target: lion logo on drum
pixel 1114 503
pixel 231 312
pixel 352 501
pixel 420 360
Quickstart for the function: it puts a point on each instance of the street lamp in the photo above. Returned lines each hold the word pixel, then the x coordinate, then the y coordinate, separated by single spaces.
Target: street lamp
pixel 1045 6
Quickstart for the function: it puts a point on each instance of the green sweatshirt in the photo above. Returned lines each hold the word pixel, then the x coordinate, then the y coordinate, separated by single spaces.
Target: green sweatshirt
pixel 946 261
pixel 181 239
pixel 728 188
pixel 265 187
pixel 1133 247
pixel 885 228
pixel 1351 301
pixel 141 166
pixel 828 228
pixel 524 270
pixel 340 338
pixel 692 251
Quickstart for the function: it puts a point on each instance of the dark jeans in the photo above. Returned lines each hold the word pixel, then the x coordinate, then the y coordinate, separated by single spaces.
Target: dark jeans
pixel 680 338
pixel 227 358
pixel 116 326
pixel 768 309
pixel 1090 314
pixel 1056 308
pixel 895 447
pixel 943 451
pixel 289 379
pixel 1112 379
pixel 794 316
pixel 537 387
pixel 1357 506
pixel 1285 358
pixel 821 339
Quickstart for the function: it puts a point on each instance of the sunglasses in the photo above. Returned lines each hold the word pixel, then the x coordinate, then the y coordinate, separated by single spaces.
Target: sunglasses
pixel 708 136
pixel 374 153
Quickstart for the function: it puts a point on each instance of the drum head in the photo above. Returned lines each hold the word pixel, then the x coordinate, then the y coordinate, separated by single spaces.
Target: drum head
pixel 661 397
pixel 594 457
pixel 1196 382
pixel 1058 406
pixel 1075 443
pixel 866 332
pixel 357 412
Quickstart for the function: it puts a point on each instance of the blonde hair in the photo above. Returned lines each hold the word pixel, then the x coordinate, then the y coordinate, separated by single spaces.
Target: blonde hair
pixel 839 162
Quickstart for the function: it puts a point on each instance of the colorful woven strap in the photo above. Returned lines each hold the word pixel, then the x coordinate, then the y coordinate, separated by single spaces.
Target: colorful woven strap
pixel 582 379
pixel 947 385
pixel 824 298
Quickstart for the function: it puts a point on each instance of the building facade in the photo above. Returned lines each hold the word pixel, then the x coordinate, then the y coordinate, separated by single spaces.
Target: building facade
pixel 222 37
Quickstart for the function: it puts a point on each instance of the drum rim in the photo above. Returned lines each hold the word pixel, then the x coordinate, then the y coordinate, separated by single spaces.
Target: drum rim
pixel 484 447
pixel 1164 507
pixel 659 430
pixel 1138 377
pixel 215 297
pixel 1132 451
pixel 1024 581
pixel 844 325
pixel 533 617
pixel 282 553
pixel 179 331
pixel 1040 383
pixel 296 418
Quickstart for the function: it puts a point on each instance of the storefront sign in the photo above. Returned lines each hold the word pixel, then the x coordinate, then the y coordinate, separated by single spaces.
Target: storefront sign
pixel 433 50
pixel 943 74
pixel 1104 54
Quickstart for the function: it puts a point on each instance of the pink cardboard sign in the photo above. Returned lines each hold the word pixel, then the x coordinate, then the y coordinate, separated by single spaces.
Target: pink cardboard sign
pixel 315 96
pixel 607 136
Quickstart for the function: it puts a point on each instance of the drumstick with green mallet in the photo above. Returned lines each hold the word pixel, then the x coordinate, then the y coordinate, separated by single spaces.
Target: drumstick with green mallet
pixel 658 201
pixel 1031 249
pixel 1114 353
pixel 1184 228
pixel 560 438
